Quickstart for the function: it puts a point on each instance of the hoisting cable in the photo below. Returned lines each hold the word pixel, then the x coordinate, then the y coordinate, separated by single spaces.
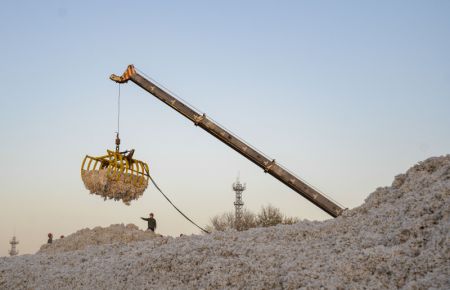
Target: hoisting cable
pixel 185 216
pixel 118 123
pixel 118 112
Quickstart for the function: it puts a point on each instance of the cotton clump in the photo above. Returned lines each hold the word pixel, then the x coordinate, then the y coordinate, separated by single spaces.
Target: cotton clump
pixel 398 239
pixel 125 187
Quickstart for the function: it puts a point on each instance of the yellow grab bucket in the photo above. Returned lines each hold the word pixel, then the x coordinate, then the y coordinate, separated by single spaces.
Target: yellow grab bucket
pixel 115 176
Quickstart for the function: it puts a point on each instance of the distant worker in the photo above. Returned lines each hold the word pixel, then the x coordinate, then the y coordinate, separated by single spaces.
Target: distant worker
pixel 151 222
pixel 50 238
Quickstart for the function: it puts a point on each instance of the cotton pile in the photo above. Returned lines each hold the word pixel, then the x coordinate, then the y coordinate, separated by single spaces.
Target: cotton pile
pixel 126 187
pixel 98 236
pixel 398 239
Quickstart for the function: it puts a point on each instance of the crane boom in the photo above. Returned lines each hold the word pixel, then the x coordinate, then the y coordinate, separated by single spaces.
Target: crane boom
pixel 202 121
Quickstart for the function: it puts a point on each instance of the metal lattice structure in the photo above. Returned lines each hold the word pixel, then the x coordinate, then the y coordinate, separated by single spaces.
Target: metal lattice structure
pixel 238 188
pixel 14 242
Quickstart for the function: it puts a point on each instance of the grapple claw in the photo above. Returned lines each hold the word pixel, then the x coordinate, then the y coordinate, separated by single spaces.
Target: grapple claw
pixel 115 176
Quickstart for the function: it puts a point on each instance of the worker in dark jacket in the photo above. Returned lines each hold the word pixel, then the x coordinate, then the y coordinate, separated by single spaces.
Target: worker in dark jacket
pixel 50 238
pixel 151 222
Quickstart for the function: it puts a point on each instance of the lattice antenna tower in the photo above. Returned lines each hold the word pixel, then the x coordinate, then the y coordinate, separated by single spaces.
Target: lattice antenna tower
pixel 14 242
pixel 238 188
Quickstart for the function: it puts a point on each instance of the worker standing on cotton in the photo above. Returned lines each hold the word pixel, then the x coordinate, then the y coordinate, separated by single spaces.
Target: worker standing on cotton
pixel 151 222
pixel 50 238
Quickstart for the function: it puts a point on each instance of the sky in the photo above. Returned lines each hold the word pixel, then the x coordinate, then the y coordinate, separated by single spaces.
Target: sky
pixel 346 94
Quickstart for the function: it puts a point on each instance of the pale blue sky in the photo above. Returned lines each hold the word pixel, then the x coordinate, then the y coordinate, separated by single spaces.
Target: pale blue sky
pixel 346 94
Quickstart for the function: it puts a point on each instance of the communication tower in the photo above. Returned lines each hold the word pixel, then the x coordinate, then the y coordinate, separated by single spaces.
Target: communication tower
pixel 13 242
pixel 238 188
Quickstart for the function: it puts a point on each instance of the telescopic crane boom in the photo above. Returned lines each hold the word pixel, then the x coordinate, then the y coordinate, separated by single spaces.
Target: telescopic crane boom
pixel 201 120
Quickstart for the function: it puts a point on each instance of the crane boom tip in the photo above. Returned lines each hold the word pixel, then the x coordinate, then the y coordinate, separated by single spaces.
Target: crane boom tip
pixel 129 72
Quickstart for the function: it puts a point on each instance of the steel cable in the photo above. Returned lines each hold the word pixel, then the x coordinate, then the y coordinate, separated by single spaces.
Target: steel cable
pixel 185 216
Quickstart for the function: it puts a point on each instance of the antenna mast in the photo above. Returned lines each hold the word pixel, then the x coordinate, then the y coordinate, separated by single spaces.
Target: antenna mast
pixel 13 242
pixel 238 188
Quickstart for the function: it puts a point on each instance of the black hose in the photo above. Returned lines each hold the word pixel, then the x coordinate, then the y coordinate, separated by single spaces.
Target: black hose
pixel 159 189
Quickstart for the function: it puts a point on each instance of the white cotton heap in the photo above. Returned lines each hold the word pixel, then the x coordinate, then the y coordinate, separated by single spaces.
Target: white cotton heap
pixel 126 187
pixel 398 239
